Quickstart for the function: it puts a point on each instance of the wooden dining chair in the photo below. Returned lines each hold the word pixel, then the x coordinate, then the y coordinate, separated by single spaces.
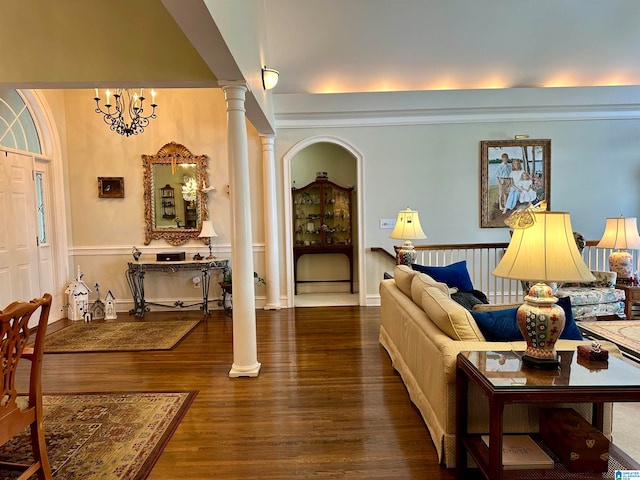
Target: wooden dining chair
pixel 18 413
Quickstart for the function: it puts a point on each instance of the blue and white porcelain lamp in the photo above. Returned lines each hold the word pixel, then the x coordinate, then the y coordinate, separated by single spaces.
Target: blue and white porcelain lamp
pixel 407 228
pixel 543 252
pixel 621 234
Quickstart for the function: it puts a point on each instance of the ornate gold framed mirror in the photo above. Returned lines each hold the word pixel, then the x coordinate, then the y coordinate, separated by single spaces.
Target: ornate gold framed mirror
pixel 175 198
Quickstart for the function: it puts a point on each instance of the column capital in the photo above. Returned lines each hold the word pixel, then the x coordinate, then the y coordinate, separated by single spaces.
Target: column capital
pixel 233 84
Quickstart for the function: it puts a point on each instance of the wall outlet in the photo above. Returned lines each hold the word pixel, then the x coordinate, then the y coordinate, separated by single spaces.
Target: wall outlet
pixel 387 223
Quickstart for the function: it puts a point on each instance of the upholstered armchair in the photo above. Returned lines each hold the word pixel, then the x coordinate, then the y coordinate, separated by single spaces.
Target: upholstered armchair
pixel 594 299
pixel 590 300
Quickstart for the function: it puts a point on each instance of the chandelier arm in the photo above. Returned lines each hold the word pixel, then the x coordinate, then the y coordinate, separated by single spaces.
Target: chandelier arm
pixel 134 108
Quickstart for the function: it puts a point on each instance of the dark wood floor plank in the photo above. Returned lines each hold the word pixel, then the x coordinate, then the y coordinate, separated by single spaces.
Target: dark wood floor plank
pixel 327 403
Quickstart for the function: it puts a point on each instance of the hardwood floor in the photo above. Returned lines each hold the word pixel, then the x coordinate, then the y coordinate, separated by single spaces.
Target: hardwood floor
pixel 327 403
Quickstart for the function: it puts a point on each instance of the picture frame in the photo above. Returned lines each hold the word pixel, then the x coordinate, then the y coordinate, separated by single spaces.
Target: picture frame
pixel 111 187
pixel 499 197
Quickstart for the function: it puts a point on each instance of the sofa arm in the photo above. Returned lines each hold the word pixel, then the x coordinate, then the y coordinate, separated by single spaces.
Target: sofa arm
pixel 487 307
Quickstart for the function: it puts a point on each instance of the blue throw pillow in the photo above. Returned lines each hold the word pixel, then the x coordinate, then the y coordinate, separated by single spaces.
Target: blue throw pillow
pixel 498 325
pixel 454 275
pixel 502 325
pixel 571 330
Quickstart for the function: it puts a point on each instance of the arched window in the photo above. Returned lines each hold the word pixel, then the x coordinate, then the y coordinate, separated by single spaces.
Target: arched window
pixel 17 128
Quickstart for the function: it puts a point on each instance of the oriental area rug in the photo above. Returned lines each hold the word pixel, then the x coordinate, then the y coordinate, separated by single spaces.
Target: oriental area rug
pixel 114 436
pixel 118 336
pixel 624 333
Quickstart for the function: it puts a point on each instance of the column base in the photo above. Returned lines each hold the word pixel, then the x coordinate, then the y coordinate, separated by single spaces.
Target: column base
pixel 268 306
pixel 251 371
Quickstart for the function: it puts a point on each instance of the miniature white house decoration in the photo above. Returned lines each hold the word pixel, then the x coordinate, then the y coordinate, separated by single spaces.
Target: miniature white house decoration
pixel 110 306
pixel 77 298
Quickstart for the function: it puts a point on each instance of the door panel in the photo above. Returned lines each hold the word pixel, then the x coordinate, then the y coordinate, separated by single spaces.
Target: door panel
pixel 18 248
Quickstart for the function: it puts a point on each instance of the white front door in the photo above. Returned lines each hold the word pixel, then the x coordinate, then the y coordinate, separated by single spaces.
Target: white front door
pixel 19 259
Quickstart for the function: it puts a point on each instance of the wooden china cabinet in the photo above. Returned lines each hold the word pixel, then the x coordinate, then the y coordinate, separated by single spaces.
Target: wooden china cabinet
pixel 322 223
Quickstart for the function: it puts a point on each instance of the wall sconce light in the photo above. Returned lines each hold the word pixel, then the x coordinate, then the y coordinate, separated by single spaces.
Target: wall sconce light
pixel 269 78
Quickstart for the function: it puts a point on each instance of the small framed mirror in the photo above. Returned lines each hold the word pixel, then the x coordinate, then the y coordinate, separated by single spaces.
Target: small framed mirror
pixel 175 198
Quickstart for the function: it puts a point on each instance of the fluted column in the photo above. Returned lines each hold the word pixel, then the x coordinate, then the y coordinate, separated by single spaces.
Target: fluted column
pixel 271 259
pixel 245 355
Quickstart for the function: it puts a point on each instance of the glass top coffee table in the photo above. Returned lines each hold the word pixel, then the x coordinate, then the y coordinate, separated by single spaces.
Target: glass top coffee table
pixel 504 380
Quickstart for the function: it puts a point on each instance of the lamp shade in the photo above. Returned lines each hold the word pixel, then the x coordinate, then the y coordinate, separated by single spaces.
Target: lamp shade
pixel 407 226
pixel 207 230
pixel 545 252
pixel 620 233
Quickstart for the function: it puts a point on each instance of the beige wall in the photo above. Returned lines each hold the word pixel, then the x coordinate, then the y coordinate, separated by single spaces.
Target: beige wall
pixel 104 230
pixel 434 168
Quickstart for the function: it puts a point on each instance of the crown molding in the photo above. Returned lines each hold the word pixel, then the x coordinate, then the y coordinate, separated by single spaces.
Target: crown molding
pixel 462 106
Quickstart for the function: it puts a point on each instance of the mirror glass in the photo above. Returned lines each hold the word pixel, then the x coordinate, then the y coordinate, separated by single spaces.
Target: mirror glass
pixel 175 196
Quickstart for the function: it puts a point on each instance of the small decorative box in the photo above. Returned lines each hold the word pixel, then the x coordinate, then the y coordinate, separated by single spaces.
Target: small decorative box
pixel 593 352
pixel 580 445
pixel 170 257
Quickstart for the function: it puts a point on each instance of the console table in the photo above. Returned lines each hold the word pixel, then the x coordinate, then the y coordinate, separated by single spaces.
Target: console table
pixel 308 250
pixel 631 296
pixel 136 272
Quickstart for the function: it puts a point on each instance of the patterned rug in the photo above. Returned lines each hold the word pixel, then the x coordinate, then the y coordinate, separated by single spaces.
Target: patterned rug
pixel 107 436
pixel 118 336
pixel 624 333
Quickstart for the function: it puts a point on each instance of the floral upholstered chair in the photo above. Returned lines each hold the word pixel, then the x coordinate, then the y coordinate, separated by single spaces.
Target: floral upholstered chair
pixel 594 299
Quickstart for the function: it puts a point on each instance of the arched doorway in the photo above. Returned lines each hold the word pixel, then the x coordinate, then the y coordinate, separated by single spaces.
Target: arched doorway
pixel 343 166
pixel 29 140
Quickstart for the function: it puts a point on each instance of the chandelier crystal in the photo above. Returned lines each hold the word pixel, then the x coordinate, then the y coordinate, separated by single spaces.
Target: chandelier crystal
pixel 133 107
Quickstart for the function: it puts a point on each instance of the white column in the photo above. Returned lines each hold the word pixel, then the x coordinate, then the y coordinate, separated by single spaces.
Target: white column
pixel 245 356
pixel 271 259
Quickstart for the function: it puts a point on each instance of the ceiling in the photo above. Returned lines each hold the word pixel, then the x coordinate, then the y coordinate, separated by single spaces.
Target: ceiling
pixel 321 46
pixel 330 46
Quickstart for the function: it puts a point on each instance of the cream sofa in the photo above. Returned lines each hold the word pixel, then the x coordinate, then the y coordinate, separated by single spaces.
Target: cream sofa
pixel 423 330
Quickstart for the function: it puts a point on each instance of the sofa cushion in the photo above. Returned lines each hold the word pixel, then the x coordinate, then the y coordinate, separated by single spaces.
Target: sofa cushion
pixel 502 325
pixel 449 316
pixel 403 275
pixel 421 280
pixel 455 275
pixel 571 330
pixel 498 325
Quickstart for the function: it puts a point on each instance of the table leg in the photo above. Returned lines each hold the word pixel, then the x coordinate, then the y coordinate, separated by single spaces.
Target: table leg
pixel 206 279
pixel 462 386
pixel 136 285
pixel 597 416
pixel 496 411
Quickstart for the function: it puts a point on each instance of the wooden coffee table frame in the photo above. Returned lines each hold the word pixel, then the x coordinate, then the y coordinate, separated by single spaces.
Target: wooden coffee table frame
pixel 489 460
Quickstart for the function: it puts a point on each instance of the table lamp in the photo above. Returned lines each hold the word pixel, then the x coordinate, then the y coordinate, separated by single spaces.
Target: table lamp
pixel 207 231
pixel 543 252
pixel 407 228
pixel 621 233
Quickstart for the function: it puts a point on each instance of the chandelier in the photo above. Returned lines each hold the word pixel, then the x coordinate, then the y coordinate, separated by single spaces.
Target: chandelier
pixel 189 189
pixel 133 108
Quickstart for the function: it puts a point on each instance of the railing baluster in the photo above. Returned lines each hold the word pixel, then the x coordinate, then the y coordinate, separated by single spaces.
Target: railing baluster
pixel 482 258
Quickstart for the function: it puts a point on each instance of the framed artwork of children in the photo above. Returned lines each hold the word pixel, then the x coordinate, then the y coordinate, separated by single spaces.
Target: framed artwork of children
pixel 513 174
